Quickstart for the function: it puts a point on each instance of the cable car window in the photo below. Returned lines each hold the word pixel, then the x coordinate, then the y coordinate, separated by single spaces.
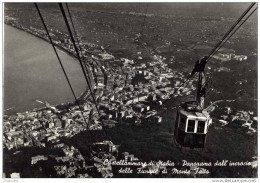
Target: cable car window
pixel 191 126
pixel 201 126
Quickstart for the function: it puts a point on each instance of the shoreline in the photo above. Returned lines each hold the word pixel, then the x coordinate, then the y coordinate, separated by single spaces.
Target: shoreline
pixel 56 45
pixel 84 94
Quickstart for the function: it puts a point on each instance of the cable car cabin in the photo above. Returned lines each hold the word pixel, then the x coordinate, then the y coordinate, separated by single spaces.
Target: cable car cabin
pixel 191 128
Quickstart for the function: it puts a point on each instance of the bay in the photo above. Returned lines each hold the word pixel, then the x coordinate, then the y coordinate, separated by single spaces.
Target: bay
pixel 32 71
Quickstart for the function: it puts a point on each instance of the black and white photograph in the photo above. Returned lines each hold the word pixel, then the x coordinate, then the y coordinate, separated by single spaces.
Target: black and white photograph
pixel 130 90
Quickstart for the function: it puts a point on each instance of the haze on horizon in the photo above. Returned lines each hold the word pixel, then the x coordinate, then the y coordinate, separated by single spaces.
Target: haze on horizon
pixel 215 9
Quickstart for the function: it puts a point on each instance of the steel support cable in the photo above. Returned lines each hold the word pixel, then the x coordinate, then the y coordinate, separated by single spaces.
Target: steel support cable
pixel 63 69
pixel 77 53
pixel 230 30
pixel 73 27
pixel 76 35
pixel 235 30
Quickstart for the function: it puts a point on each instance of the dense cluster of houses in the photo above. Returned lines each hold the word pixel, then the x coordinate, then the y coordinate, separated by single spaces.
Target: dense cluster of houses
pixel 245 119
pixel 229 56
pixel 124 90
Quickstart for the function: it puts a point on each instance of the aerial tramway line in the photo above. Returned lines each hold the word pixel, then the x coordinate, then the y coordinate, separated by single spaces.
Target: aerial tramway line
pixel 192 119
pixel 84 69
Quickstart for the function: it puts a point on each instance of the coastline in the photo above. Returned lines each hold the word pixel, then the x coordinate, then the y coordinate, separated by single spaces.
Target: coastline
pixel 83 96
pixel 56 45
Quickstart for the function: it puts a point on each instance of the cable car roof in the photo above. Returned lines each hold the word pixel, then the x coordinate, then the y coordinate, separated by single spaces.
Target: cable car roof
pixel 199 115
